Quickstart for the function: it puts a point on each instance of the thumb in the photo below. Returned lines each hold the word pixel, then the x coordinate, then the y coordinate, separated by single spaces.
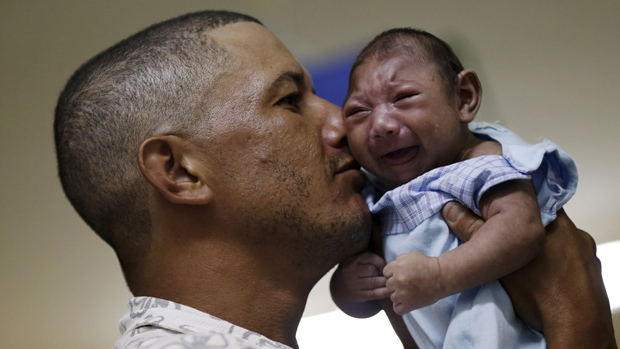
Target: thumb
pixel 461 221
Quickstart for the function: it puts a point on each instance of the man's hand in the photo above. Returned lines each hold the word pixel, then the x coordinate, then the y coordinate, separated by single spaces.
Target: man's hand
pixel 358 283
pixel 560 292
pixel 414 280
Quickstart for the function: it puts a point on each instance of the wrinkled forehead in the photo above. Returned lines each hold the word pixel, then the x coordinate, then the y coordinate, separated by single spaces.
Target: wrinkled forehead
pixel 414 56
pixel 398 65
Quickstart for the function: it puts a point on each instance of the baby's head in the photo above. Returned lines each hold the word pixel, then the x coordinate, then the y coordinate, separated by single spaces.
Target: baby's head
pixel 408 105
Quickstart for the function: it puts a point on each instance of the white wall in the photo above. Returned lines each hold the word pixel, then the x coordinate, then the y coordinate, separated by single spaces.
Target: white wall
pixel 549 70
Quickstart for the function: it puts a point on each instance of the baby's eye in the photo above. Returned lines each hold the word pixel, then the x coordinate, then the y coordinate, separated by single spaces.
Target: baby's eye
pixel 403 96
pixel 352 112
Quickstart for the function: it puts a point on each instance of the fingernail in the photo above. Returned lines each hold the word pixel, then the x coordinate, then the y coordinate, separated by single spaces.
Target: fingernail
pixel 454 211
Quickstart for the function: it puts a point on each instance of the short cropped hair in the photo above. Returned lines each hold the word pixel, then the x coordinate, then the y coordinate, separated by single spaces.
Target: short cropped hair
pixel 420 45
pixel 153 83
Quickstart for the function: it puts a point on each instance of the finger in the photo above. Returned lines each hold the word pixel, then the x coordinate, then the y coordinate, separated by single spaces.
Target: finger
pixel 400 309
pixel 396 303
pixel 378 293
pixel 461 221
pixel 388 271
pixel 390 283
pixel 366 271
pixel 372 259
pixel 373 283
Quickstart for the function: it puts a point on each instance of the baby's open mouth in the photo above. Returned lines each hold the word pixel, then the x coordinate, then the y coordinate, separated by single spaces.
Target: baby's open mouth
pixel 401 156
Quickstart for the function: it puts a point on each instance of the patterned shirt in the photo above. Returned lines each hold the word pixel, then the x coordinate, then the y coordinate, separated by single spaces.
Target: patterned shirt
pixel 410 218
pixel 407 206
pixel 153 323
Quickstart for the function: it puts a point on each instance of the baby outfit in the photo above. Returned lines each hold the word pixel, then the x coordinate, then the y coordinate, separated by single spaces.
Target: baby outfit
pixel 411 220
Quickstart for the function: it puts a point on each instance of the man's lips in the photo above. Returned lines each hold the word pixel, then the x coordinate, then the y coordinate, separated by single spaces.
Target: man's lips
pixel 400 156
pixel 349 170
pixel 347 164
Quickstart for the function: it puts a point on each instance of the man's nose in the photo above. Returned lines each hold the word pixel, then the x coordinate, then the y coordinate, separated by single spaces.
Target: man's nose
pixel 383 124
pixel 333 131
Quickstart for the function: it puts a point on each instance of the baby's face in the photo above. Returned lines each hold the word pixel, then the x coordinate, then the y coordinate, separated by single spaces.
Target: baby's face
pixel 400 122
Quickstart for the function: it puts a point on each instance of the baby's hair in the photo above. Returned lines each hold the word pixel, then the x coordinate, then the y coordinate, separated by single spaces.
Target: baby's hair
pixel 421 45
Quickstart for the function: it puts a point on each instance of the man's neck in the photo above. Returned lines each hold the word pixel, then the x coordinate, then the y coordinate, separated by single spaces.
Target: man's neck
pixel 235 286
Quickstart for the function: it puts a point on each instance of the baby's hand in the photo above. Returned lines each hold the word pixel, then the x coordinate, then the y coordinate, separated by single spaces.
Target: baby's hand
pixel 359 279
pixel 414 280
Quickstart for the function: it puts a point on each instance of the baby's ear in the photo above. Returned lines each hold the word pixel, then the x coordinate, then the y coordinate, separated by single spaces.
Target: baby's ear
pixel 175 169
pixel 469 93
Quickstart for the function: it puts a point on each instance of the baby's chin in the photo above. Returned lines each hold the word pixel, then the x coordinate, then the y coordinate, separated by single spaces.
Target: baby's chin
pixel 400 181
pixel 394 179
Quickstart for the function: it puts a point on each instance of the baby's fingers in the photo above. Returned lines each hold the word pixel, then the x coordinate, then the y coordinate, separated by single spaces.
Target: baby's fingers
pixel 401 308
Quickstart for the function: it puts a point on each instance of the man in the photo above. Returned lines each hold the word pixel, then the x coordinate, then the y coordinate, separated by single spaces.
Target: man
pixel 198 150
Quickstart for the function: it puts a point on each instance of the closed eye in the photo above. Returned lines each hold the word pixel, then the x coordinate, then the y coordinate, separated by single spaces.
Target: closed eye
pixel 353 112
pixel 353 108
pixel 403 96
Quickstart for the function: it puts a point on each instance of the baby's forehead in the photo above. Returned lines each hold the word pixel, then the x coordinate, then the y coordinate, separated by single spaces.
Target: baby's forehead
pixel 404 59
pixel 412 50
pixel 392 70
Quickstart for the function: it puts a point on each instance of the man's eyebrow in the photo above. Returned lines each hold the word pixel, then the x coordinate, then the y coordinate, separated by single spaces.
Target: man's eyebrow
pixel 295 77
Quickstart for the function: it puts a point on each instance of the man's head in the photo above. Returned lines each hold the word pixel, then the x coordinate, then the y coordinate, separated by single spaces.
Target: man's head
pixel 408 104
pixel 205 122
pixel 149 84
pixel 284 169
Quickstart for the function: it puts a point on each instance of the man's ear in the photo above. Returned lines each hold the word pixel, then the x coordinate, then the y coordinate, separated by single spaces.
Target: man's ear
pixel 469 93
pixel 173 167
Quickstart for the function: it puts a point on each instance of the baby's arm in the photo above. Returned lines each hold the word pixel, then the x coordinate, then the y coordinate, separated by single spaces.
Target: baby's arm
pixel 561 292
pixel 511 237
pixel 358 284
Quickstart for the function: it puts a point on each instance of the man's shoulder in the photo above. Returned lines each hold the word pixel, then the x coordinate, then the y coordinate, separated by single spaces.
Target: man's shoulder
pixel 161 338
pixel 153 323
